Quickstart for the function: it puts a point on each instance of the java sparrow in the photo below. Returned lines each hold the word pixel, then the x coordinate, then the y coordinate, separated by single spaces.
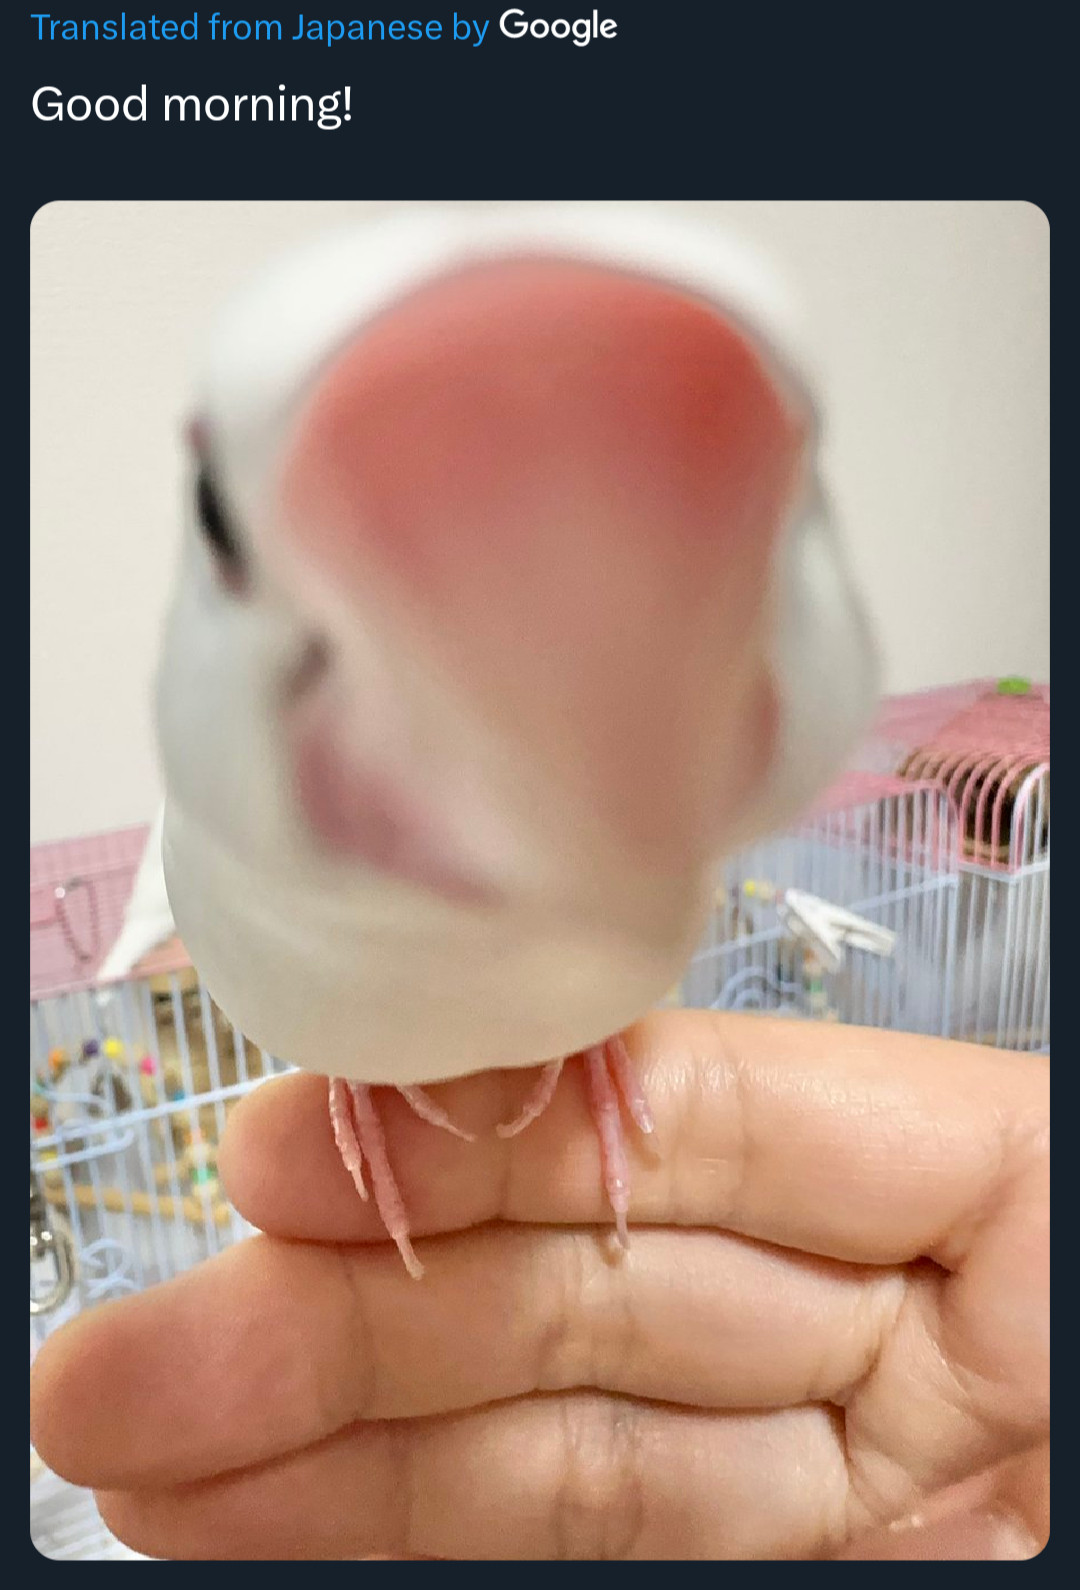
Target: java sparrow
pixel 510 604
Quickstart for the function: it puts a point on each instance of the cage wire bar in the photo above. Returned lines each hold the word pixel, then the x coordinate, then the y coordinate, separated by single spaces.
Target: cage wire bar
pixel 879 847
pixel 987 745
pixel 131 1085
pixel 939 834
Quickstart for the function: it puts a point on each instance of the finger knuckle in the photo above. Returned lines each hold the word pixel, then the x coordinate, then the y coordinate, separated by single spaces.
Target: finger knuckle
pixel 599 1498
pixel 567 1350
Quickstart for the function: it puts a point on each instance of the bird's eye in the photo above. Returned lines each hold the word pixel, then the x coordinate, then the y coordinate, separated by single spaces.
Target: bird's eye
pixel 218 532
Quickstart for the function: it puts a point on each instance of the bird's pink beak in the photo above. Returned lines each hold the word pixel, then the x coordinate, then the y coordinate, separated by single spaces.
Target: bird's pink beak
pixel 573 480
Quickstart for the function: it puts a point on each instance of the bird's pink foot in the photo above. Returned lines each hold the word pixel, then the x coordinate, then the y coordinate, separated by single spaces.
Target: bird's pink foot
pixel 628 1084
pixel 612 1083
pixel 358 1133
pixel 537 1102
pixel 426 1108
pixel 611 1080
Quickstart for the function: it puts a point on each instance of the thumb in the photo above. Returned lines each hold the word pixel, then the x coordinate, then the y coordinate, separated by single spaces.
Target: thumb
pixel 1002 1515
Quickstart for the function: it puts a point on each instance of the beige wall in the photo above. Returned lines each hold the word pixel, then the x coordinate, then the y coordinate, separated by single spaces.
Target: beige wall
pixel 931 321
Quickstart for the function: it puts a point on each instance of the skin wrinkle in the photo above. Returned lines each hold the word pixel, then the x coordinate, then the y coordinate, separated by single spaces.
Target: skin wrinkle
pixel 705 1072
pixel 883 1120
pixel 914 1406
pixel 965 1401
pixel 978 1436
pixel 362 1338
pixel 739 1079
pixel 621 1342
pixel 557 1269
pixel 613 1361
pixel 960 1236
pixel 567 1326
pixel 598 1507
pixel 747 1151
pixel 627 1433
pixel 971 1386
pixel 568 1351
pixel 628 1345
pixel 407 1454
pixel 1029 1143
pixel 593 1475
pixel 871 1499
pixel 555 1337
pixel 741 1090
pixel 880 1300
pixel 115 1506
pixel 571 1353
pixel 886 1116
pixel 836 1520
pixel 1023 1154
pixel 586 1432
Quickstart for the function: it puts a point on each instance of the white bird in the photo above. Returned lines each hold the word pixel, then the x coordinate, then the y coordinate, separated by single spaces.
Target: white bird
pixel 510 604
pixel 148 919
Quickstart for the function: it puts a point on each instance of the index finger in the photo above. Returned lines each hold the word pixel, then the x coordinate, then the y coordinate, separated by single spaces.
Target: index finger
pixel 874 1147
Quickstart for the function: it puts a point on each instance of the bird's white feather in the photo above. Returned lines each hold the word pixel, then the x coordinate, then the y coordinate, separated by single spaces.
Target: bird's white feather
pixel 351 973
pixel 148 919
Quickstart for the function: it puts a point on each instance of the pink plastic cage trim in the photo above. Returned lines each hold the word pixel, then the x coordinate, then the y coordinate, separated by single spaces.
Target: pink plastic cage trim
pixel 71 936
pixel 990 751
pixel 966 717
pixel 79 889
pixel 916 821
pixel 858 788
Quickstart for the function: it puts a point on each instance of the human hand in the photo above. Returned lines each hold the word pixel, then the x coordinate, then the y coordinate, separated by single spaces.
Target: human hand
pixel 834 1311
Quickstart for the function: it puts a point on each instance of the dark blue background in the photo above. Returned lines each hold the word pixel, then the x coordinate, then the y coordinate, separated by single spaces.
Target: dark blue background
pixel 691 100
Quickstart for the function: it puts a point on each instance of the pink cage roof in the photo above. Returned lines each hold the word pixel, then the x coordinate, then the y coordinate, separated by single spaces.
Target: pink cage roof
pixel 977 716
pixel 857 788
pixel 987 744
pixel 78 891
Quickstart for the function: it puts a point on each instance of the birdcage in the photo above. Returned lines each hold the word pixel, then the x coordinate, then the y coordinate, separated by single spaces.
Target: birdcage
pixel 987 745
pixel 914 895
pixel 848 917
pixel 130 1088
